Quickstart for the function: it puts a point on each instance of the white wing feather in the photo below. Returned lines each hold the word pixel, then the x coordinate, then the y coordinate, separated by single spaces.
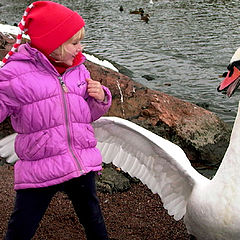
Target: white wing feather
pixel 157 162
pixel 7 148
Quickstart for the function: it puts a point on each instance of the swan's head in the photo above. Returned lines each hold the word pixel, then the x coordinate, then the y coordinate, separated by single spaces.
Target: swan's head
pixel 232 78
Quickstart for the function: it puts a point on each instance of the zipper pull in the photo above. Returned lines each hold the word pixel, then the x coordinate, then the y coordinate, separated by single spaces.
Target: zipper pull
pixel 64 87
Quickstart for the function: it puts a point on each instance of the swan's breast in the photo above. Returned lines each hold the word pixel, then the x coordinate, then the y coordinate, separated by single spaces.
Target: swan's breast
pixel 213 212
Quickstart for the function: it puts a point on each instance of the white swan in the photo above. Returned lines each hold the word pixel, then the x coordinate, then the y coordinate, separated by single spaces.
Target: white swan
pixel 211 208
pixel 231 81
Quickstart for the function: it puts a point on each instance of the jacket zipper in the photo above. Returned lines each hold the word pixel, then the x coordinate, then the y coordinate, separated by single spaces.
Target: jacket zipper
pixel 64 87
pixel 65 90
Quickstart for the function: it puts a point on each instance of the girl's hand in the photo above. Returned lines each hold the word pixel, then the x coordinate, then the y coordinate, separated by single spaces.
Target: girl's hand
pixel 95 89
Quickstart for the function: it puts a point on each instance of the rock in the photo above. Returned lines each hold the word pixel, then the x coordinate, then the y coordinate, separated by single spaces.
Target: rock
pixel 149 77
pixel 199 132
pixel 112 180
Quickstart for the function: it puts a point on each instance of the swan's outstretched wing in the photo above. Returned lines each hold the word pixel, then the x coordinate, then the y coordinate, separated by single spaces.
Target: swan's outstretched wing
pixel 158 163
pixel 7 148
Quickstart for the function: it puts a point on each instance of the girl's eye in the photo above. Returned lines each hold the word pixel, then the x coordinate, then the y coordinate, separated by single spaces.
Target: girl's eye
pixel 76 43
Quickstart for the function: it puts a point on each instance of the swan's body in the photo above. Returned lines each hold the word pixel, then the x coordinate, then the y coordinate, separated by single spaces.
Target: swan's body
pixel 211 208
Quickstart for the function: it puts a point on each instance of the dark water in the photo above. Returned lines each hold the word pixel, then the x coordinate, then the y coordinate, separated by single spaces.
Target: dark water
pixel 183 48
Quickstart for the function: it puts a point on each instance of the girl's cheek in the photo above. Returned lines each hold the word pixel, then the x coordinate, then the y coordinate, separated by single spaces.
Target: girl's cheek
pixel 56 55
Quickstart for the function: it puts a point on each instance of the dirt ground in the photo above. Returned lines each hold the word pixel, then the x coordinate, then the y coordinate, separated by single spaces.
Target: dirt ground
pixel 136 214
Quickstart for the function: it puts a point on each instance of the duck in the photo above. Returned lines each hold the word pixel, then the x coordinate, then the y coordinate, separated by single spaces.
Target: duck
pixel 139 11
pixel 209 207
pixel 121 8
pixel 145 17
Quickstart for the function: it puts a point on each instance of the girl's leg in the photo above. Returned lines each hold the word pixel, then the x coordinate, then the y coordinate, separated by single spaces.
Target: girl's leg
pixel 30 206
pixel 82 193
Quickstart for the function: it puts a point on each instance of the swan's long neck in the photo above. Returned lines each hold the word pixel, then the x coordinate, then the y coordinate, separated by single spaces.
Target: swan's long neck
pixel 230 166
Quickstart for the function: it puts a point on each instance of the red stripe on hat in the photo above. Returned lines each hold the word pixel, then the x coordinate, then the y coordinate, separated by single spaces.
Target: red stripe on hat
pixel 16 45
pixel 21 26
pixel 28 9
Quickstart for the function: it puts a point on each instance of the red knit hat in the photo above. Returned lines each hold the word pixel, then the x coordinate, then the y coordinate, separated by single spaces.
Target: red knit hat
pixel 48 25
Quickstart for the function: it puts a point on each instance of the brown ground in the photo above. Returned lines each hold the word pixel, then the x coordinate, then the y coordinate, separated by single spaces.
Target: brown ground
pixel 136 214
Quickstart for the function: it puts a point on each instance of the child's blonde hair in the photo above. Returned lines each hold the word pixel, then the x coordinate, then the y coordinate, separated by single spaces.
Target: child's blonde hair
pixel 76 37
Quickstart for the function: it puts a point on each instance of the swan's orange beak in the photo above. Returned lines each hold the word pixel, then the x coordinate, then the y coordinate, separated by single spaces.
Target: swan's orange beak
pixel 231 82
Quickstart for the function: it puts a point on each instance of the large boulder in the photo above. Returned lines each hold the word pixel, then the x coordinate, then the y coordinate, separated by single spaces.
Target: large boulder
pixel 201 134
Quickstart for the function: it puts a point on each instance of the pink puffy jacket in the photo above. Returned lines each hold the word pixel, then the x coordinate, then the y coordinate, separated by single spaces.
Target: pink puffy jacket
pixel 55 140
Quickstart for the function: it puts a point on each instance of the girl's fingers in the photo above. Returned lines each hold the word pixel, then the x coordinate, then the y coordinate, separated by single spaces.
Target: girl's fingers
pixel 95 89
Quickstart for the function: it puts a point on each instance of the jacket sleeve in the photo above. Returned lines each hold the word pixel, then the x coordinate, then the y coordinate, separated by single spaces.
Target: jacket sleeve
pixel 7 98
pixel 3 111
pixel 98 108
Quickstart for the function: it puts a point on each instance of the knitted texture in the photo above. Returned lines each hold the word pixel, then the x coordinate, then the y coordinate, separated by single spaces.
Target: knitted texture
pixel 48 25
pixel 19 35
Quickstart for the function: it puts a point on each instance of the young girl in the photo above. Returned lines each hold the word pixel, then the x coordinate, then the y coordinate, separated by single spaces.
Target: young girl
pixel 51 99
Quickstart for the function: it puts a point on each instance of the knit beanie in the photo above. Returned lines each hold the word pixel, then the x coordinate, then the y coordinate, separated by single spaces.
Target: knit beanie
pixel 48 25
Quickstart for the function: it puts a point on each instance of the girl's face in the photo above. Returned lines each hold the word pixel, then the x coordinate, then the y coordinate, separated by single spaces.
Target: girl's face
pixel 67 52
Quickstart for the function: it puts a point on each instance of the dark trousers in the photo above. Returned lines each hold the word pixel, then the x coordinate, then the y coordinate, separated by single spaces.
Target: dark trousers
pixel 31 204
